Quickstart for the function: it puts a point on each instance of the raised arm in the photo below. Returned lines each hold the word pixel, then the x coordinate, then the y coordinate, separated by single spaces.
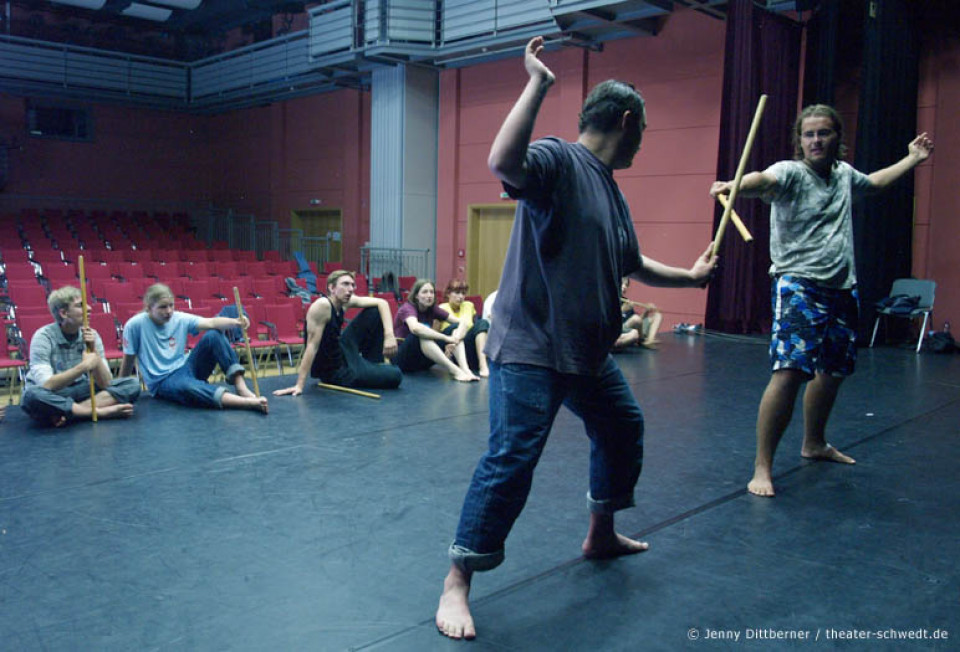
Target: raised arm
pixel 509 149
pixel 918 151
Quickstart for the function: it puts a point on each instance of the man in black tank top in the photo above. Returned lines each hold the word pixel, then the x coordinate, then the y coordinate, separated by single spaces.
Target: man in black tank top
pixel 353 357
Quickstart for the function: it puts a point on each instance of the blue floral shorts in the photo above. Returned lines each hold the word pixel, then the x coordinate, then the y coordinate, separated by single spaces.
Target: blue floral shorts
pixel 814 327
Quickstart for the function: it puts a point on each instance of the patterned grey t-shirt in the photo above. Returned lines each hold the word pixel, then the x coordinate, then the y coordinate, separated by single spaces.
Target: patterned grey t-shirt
pixel 811 224
pixel 52 353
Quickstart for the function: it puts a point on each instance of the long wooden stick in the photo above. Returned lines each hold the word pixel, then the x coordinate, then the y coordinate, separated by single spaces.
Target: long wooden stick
pixel 737 222
pixel 740 168
pixel 348 390
pixel 86 324
pixel 246 342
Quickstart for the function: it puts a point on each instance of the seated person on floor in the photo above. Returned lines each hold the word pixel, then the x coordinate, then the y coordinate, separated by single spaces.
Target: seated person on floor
pixel 638 329
pixel 57 388
pixel 421 343
pixel 476 337
pixel 351 358
pixel 156 339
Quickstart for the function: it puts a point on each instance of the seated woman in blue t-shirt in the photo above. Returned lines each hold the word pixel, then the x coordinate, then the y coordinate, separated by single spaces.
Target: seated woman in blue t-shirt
pixel 421 343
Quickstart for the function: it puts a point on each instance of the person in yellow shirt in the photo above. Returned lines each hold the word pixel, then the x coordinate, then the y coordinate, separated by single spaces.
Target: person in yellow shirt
pixel 465 311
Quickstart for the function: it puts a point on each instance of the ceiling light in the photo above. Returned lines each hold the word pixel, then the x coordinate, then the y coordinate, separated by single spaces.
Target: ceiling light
pixel 138 10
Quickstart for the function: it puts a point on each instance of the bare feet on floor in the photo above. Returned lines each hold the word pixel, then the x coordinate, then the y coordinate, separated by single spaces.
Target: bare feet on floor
pixel 453 614
pixel 827 453
pixel 245 392
pixel 118 410
pixel 761 484
pixel 608 548
pixel 465 377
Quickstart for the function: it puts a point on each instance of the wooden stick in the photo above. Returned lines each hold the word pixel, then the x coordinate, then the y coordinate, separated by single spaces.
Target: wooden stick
pixel 348 390
pixel 246 342
pixel 86 324
pixel 737 222
pixel 740 168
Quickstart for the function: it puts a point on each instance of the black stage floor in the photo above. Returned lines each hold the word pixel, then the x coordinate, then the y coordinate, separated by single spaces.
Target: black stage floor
pixel 324 526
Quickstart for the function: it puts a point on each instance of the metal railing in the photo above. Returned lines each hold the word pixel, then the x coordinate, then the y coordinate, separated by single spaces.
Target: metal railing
pixel 289 242
pixel 377 261
pixel 316 249
pixel 239 231
pixel 267 237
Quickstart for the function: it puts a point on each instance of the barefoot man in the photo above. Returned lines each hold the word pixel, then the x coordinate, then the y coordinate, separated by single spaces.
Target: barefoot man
pixel 815 303
pixel 58 385
pixel 558 315
pixel 156 340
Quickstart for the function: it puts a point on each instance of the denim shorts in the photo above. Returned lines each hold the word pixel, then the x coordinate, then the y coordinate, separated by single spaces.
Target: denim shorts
pixel 814 327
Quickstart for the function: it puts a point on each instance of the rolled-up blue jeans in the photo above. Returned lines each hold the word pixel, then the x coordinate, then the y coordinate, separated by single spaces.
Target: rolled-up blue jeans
pixel 524 401
pixel 188 384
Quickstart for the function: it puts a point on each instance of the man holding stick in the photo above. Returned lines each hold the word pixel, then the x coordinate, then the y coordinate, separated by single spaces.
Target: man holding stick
pixel 57 388
pixel 573 237
pixel 156 339
pixel 351 358
pixel 815 302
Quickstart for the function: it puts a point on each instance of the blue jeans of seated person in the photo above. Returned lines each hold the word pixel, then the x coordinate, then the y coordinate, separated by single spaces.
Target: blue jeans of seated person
pixel 188 384
pixel 524 401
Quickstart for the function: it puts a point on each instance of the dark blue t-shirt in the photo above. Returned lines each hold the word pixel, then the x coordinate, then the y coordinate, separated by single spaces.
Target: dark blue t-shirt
pixel 558 304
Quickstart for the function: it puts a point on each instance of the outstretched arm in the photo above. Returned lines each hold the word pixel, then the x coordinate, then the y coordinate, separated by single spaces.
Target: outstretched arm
pixel 658 274
pixel 509 149
pixel 918 151
pixel 754 184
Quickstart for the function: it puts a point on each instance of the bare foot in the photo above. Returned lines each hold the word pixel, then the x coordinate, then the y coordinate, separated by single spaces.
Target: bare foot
pixel 464 377
pixel 827 453
pixel 261 404
pixel 244 391
pixel 115 411
pixel 608 548
pixel 761 484
pixel 453 614
pixel 484 373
